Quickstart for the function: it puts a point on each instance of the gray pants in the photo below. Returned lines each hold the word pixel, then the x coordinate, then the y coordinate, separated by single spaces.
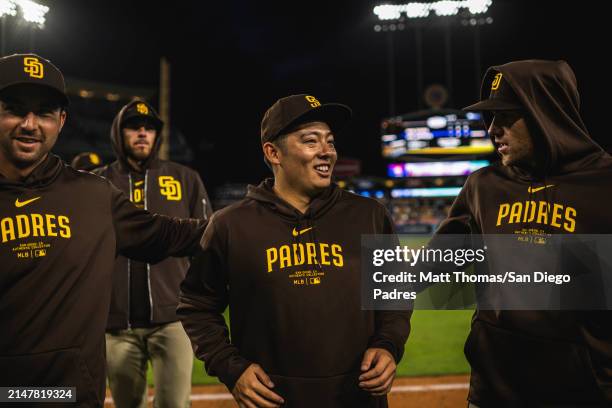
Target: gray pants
pixel 169 350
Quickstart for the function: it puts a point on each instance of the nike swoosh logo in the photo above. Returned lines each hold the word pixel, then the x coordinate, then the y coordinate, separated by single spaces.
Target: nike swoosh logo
pixel 20 204
pixel 138 183
pixel 296 232
pixel 535 190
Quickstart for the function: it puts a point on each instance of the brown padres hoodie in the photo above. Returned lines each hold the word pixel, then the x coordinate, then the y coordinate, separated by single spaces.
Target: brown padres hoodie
pixel 60 230
pixel 540 358
pixel 292 283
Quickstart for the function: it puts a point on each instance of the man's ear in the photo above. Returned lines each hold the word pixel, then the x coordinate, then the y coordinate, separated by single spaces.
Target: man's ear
pixel 62 119
pixel 271 153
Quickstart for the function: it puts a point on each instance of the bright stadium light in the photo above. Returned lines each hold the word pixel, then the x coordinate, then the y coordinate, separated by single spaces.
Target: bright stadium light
pixel 422 10
pixel 445 8
pixel 32 12
pixel 7 8
pixel 416 10
pixel 387 12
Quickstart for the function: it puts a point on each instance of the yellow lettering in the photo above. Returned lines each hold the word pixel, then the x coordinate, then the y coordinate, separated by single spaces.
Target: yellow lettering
pixel 337 255
pixel 311 253
pixel 38 229
pixel 543 210
pixel 530 211
pixel 324 248
pixel 23 226
pixel 570 218
pixel 298 259
pixel 515 213
pixel 63 222
pixel 504 210
pixel 272 257
pixel 51 226
pixel 556 215
pixel 8 230
pixel 285 256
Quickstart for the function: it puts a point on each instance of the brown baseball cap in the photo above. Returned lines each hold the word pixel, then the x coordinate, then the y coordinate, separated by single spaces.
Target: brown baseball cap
pixel 292 110
pixel 501 96
pixel 20 69
pixel 141 110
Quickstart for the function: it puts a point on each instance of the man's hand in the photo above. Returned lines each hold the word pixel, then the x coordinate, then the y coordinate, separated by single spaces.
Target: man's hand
pixel 252 390
pixel 378 371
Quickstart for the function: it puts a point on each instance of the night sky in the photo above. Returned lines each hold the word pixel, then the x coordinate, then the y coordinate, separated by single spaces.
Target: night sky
pixel 232 59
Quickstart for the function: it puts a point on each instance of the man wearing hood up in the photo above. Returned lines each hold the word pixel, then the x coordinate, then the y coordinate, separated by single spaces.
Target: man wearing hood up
pixel 286 259
pixel 60 230
pixel 142 323
pixel 551 180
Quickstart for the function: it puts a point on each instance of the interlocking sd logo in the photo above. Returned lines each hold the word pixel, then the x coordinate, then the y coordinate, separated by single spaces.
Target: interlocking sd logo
pixel 33 67
pixel 313 101
pixel 142 109
pixel 170 188
pixel 496 81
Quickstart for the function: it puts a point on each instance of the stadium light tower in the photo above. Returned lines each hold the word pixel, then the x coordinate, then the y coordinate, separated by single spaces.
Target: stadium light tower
pixel 28 10
pixel 400 17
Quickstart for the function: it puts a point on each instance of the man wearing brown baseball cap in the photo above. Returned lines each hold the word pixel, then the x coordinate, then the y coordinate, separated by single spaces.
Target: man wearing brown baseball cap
pixel 60 230
pixel 554 180
pixel 287 261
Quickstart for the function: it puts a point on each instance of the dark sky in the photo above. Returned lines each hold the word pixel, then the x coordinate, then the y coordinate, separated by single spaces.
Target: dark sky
pixel 232 59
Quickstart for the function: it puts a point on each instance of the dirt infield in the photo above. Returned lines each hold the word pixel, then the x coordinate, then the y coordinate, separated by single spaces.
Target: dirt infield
pixel 422 392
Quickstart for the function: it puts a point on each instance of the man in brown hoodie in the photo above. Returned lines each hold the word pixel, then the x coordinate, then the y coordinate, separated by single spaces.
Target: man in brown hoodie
pixel 286 260
pixel 60 230
pixel 552 179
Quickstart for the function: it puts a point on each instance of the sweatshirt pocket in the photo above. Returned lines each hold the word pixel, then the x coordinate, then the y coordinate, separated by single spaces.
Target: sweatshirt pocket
pixel 325 392
pixel 514 366
pixel 57 368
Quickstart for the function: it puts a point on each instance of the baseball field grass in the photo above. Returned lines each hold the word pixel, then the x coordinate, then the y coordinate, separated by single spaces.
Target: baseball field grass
pixel 435 346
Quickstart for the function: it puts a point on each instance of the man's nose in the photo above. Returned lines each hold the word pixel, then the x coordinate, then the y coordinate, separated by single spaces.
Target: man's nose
pixel 29 122
pixel 325 149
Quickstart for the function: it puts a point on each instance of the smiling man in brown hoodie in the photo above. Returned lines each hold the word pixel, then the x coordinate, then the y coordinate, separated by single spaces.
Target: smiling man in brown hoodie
pixel 286 260
pixel 552 179
pixel 60 230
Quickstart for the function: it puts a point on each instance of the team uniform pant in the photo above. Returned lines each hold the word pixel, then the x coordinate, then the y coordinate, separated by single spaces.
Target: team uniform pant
pixel 169 350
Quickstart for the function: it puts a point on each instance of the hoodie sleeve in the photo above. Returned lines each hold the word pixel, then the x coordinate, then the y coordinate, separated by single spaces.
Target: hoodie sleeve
pixel 202 300
pixel 148 237
pixel 200 203
pixel 392 327
pixel 460 219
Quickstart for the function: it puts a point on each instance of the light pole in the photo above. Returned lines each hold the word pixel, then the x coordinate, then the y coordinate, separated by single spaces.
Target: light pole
pixel 399 17
pixel 28 10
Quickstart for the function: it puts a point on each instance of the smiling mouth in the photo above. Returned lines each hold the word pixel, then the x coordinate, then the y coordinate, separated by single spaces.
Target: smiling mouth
pixel 323 169
pixel 28 140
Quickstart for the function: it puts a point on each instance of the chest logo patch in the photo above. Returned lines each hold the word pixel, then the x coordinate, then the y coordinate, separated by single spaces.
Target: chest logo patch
pixel 170 188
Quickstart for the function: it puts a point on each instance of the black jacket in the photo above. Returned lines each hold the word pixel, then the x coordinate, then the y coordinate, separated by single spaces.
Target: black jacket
pixel 60 232
pixel 170 189
pixel 540 358
pixel 292 282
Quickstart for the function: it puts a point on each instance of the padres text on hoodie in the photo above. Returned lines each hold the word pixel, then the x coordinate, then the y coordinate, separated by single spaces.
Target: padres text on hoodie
pixel 292 282
pixel 59 232
pixel 540 358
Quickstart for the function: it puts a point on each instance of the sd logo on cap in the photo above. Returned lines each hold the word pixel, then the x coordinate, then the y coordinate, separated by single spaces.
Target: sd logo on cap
pixel 19 69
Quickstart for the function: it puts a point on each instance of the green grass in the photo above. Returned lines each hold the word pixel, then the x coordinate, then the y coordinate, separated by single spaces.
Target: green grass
pixel 435 346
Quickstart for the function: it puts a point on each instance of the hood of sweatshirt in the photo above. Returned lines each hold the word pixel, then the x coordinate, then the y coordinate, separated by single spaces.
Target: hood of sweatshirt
pixel 264 193
pixel 548 92
pixel 43 175
pixel 116 136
